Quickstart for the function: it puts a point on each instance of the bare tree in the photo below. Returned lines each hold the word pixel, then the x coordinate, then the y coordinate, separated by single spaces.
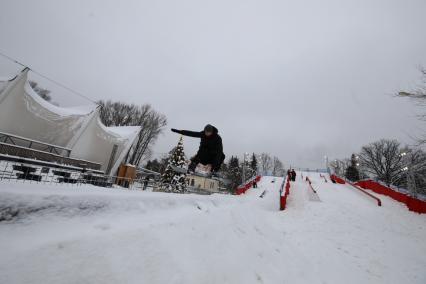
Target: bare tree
pixel 265 163
pixel 338 166
pixel 151 122
pixel 277 167
pixel 120 114
pixel 383 160
pixel 44 93
pixel 419 97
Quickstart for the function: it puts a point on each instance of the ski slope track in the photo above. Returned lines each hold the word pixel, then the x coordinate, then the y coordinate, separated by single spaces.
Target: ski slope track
pixel 65 234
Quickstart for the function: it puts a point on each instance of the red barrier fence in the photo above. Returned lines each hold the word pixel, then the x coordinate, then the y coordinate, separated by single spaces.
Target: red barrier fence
pixel 336 179
pixel 284 193
pixel 243 188
pixel 413 204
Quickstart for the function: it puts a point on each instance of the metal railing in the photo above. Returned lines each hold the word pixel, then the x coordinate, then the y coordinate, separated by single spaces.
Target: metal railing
pixel 310 185
pixel 27 173
pixel 16 172
pixel 34 144
pixel 378 200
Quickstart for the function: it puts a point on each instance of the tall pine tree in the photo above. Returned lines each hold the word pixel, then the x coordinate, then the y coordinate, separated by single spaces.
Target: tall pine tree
pixel 172 180
pixel 253 163
pixel 352 172
pixel 234 173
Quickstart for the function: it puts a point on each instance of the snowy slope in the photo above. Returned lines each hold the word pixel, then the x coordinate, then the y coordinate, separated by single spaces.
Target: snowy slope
pixel 92 235
pixel 353 239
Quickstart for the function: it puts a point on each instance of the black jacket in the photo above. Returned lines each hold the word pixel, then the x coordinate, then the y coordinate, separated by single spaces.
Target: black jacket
pixel 211 148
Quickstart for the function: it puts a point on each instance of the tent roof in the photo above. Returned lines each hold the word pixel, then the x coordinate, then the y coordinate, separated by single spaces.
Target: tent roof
pixel 61 111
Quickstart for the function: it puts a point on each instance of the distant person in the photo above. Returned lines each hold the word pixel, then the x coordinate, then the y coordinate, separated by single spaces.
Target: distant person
pixel 145 183
pixel 254 184
pixel 293 175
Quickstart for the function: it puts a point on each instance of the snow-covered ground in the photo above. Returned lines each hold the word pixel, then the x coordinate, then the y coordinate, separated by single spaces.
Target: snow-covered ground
pixel 65 234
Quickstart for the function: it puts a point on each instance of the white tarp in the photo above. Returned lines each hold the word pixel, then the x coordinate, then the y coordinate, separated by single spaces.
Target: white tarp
pixel 97 142
pixel 24 113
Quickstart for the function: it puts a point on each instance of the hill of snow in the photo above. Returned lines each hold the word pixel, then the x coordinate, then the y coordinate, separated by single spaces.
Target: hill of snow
pixel 66 234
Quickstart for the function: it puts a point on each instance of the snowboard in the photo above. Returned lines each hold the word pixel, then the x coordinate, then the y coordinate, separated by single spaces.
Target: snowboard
pixel 184 170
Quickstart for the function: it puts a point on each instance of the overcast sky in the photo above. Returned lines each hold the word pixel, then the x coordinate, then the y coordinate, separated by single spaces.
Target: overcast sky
pixel 297 79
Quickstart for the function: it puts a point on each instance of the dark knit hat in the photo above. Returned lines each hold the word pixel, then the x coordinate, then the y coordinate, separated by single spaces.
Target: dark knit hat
pixel 208 128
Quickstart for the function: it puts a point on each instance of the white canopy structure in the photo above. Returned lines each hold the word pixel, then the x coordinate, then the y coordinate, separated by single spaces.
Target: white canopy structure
pixel 25 114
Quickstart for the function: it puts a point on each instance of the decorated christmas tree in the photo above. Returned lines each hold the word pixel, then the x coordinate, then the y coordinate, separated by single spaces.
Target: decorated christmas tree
pixel 172 180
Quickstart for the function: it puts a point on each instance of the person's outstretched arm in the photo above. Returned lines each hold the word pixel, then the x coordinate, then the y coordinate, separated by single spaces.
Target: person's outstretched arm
pixel 189 133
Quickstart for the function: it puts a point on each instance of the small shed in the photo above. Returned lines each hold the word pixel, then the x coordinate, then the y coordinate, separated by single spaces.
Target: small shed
pixel 202 183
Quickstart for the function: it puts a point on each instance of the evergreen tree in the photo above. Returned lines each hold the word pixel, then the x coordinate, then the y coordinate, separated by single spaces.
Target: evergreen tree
pixel 234 173
pixel 154 165
pixel 352 172
pixel 175 181
pixel 253 163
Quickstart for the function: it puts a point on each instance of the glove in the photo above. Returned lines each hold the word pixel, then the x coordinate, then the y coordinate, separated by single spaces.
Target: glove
pixel 175 130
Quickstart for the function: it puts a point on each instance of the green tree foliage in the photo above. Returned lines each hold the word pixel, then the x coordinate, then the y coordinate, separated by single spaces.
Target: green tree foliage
pixel 352 172
pixel 155 165
pixel 234 173
pixel 253 162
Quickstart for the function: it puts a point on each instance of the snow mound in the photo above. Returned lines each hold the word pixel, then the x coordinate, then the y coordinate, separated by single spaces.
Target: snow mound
pixel 68 234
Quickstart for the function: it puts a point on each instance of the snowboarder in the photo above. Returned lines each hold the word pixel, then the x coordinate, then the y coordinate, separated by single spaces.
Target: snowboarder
pixel 210 151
